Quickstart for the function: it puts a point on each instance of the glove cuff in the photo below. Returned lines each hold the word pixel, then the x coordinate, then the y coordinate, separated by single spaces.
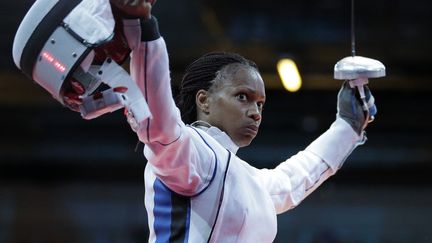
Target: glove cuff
pixel 149 29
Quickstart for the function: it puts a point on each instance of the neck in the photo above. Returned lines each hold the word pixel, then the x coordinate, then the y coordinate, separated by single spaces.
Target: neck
pixel 218 135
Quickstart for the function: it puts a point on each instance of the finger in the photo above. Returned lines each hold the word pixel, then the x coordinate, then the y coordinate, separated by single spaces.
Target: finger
pixel 73 107
pixel 120 89
pixel 134 3
pixel 138 8
pixel 371 102
pixel 373 110
pixel 372 107
pixel 368 93
pixel 346 94
pixel 72 102
pixel 77 87
pixel 72 98
pixel 346 84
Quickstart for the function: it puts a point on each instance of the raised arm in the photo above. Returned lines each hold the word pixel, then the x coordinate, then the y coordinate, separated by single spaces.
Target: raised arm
pixel 150 69
pixel 297 177
pixel 176 153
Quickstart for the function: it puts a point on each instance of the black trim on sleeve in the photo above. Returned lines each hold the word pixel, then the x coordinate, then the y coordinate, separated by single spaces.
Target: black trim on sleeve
pixel 149 29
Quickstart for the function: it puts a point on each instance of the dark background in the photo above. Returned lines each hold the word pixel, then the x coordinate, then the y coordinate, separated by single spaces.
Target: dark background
pixel 63 179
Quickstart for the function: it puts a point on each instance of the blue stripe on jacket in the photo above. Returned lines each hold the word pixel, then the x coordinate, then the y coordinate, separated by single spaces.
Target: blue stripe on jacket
pixel 171 215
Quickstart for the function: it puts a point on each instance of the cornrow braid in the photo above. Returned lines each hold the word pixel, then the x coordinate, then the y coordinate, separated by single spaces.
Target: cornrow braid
pixel 200 75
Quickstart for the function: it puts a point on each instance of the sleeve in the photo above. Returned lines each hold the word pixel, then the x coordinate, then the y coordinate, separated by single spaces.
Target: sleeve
pixel 294 179
pixel 179 159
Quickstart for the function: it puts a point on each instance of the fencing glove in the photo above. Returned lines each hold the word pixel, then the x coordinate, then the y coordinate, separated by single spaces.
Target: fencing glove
pixel 352 109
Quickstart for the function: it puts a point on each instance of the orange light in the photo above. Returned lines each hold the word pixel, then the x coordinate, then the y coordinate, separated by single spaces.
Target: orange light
pixel 289 75
pixel 56 63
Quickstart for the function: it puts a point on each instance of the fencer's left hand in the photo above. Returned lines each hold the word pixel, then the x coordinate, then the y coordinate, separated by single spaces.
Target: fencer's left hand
pixel 134 8
pixel 350 107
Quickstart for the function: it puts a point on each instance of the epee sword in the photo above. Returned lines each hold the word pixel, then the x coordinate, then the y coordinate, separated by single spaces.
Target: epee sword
pixel 358 69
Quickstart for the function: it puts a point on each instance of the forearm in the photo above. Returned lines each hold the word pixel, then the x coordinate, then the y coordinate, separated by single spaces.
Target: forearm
pixel 150 69
pixel 336 144
pixel 294 179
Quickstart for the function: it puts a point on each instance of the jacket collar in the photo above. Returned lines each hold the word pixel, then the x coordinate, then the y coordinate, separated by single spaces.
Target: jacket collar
pixel 218 135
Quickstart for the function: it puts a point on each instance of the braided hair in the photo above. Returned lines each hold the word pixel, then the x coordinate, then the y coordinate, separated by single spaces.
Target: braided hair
pixel 201 74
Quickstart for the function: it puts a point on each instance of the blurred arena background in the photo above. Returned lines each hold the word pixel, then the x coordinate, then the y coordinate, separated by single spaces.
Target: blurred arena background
pixel 63 179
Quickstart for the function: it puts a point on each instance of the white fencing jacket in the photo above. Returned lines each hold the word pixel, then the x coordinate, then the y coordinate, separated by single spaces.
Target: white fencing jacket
pixel 192 194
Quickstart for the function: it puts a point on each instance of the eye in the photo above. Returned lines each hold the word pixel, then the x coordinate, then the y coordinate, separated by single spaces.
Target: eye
pixel 260 105
pixel 241 97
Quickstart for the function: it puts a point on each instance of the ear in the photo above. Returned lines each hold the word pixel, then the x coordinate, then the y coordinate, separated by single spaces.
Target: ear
pixel 201 100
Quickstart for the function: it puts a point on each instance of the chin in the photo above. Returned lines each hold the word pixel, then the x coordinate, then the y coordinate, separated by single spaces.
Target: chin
pixel 244 142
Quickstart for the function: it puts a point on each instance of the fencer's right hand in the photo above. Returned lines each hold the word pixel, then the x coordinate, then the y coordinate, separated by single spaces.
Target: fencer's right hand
pixel 73 95
pixel 349 107
pixel 134 8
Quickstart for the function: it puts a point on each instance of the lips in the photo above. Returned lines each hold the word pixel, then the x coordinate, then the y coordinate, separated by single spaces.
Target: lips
pixel 251 129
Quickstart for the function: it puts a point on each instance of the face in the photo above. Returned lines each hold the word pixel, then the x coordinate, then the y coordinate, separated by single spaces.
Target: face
pixel 235 104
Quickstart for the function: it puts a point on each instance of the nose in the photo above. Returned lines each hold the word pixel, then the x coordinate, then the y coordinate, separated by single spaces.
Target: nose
pixel 254 112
